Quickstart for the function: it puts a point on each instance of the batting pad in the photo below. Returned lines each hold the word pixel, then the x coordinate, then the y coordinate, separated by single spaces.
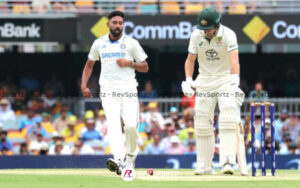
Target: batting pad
pixel 205 152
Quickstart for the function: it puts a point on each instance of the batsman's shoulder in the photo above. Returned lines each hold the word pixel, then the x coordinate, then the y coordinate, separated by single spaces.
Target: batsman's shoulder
pixel 228 31
pixel 197 33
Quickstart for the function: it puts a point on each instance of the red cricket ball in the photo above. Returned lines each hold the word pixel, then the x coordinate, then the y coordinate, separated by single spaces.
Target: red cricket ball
pixel 150 171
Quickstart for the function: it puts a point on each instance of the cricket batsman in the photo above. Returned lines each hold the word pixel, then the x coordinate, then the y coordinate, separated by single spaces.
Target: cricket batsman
pixel 215 46
pixel 120 56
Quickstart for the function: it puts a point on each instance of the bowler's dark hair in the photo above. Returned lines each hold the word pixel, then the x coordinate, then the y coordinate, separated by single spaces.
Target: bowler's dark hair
pixel 116 13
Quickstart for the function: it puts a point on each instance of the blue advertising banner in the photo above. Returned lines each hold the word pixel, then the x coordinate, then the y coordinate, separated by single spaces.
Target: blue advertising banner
pixel 143 161
pixel 38 30
pixel 176 30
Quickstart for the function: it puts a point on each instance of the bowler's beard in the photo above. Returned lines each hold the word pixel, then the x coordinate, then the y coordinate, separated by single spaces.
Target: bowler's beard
pixel 114 33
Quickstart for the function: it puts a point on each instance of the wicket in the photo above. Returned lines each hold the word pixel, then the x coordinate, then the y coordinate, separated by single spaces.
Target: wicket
pixel 262 106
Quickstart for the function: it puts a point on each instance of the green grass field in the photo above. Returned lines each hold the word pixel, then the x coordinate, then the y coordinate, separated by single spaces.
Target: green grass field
pixel 102 178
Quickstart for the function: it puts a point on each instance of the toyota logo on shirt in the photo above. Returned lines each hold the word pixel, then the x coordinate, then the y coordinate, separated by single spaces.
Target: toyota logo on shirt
pixel 212 55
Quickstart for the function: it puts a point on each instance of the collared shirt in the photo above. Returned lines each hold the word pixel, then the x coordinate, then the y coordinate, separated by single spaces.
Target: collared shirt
pixel 8 115
pixel 213 55
pixel 155 150
pixel 68 132
pixel 27 123
pixel 91 135
pixel 108 52
pixel 59 124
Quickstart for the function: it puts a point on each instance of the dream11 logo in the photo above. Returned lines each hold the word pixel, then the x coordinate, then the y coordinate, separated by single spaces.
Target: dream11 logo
pixel 128 174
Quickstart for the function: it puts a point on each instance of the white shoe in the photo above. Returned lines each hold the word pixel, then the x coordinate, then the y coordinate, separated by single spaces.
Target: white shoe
pixel 210 171
pixel 129 161
pixel 203 172
pixel 227 169
pixel 199 171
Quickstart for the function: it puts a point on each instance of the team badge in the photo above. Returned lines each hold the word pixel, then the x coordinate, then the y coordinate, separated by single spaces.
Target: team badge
pixel 201 43
pixel 219 41
pixel 122 46
pixel 203 22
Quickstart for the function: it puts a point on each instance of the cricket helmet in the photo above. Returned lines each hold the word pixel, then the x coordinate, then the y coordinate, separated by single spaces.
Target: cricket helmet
pixel 208 18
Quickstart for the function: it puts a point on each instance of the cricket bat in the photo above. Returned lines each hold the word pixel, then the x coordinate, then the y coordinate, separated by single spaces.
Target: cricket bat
pixel 241 155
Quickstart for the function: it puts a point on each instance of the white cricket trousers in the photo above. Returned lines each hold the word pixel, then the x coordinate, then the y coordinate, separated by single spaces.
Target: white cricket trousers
pixel 206 100
pixel 121 102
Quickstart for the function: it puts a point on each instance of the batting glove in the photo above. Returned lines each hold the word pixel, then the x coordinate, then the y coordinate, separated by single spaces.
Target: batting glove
pixel 187 87
pixel 237 93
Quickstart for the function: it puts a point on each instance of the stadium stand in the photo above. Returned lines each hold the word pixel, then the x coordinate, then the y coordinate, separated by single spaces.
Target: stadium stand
pixel 148 6
pixel 4 8
pixel 237 8
pixel 21 9
pixel 40 6
pixel 170 7
pixel 192 8
pixel 84 6
pixel 176 122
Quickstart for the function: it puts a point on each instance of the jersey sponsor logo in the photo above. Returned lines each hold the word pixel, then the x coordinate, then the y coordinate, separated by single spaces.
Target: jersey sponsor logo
pixel 113 55
pixel 212 55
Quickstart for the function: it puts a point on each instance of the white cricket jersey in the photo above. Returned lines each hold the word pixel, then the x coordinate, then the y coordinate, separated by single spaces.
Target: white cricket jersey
pixel 213 56
pixel 108 52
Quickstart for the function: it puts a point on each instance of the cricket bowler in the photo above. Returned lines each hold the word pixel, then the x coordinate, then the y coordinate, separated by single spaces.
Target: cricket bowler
pixel 120 55
pixel 215 46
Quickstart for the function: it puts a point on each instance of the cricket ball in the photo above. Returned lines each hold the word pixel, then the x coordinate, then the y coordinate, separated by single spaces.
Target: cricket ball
pixel 150 171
